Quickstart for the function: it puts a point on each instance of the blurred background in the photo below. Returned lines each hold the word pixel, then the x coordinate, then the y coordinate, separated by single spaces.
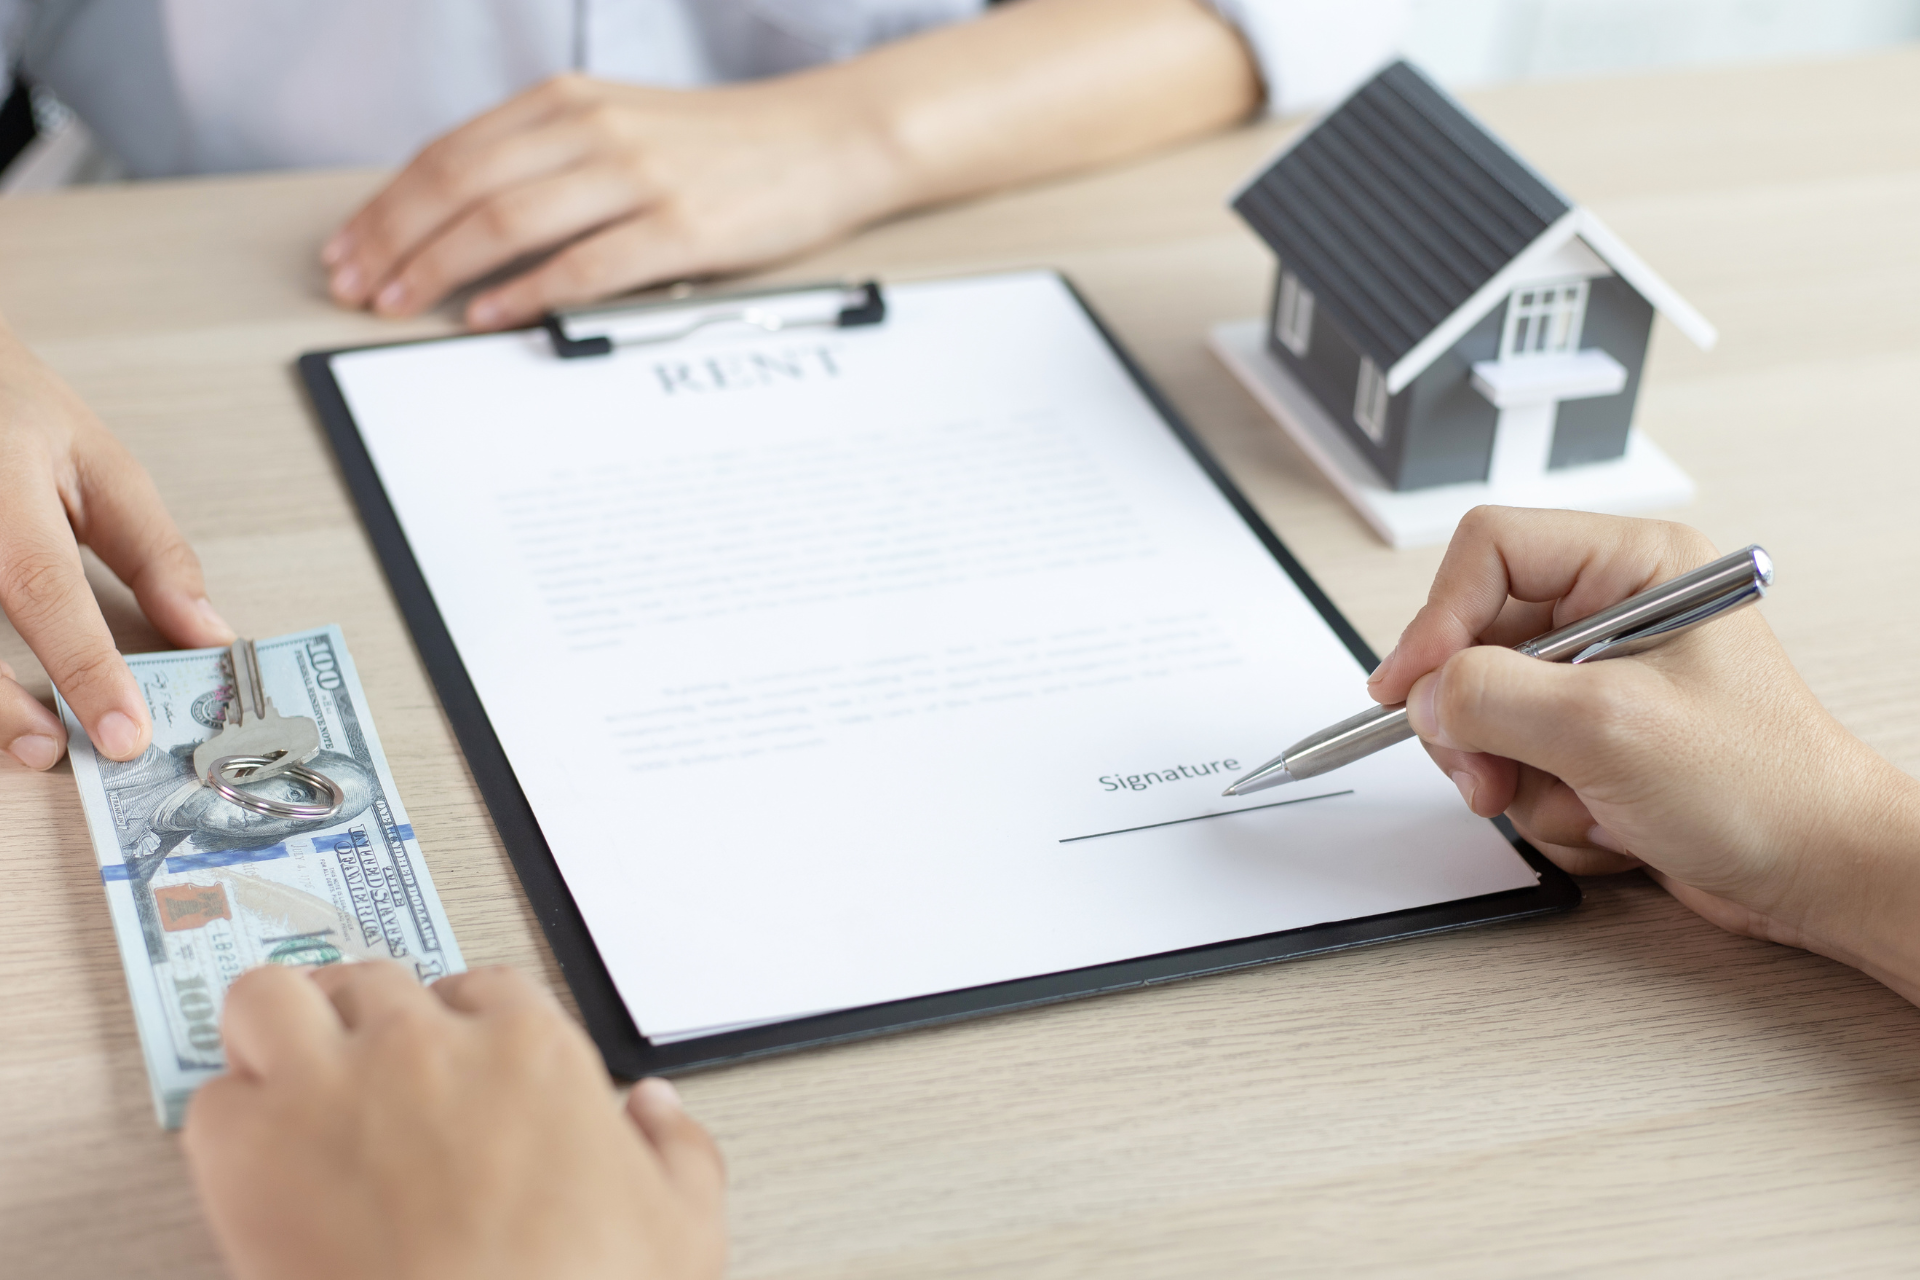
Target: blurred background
pixel 1464 43
pixel 1476 42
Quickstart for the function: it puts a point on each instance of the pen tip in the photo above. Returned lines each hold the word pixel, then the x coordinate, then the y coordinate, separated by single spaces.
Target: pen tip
pixel 1269 775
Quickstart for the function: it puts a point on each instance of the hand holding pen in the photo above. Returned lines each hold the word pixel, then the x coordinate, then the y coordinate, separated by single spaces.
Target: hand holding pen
pixel 1641 622
pixel 1707 760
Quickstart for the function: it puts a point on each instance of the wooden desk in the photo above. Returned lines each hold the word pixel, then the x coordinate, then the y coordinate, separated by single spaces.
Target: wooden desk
pixel 1624 1090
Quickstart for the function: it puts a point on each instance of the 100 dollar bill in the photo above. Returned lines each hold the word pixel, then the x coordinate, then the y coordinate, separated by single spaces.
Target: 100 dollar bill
pixel 201 890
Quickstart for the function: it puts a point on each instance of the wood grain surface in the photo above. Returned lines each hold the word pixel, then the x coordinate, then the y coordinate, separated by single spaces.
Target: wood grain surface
pixel 1621 1091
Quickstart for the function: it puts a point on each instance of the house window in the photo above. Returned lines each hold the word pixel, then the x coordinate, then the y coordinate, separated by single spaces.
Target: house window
pixel 1294 323
pixel 1370 401
pixel 1544 320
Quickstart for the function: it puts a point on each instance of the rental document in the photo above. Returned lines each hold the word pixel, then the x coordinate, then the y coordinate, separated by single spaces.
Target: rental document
pixel 842 666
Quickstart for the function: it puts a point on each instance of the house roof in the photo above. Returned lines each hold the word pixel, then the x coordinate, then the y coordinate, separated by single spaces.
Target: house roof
pixel 1406 217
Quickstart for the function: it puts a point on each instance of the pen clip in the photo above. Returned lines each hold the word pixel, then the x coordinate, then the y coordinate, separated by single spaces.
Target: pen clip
pixel 1654 633
pixel 1659 612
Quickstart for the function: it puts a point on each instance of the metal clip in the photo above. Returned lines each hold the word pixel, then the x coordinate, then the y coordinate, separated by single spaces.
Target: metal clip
pixel 673 319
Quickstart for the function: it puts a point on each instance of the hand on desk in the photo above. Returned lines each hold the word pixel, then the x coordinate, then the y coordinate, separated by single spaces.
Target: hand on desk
pixel 1708 760
pixel 368 1127
pixel 628 186
pixel 65 481
pixel 662 185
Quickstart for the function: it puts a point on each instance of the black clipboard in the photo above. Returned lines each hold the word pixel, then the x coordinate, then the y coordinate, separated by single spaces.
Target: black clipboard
pixel 628 1053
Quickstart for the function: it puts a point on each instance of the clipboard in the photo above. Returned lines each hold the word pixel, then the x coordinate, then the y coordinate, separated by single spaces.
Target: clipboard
pixel 627 1052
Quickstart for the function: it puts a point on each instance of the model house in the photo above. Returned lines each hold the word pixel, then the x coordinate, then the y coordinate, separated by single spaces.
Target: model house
pixel 1457 316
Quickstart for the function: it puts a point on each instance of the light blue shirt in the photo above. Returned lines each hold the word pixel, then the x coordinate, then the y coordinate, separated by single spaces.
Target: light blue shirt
pixel 210 86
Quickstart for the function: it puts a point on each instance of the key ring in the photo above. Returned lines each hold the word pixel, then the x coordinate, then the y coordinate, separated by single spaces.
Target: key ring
pixel 310 778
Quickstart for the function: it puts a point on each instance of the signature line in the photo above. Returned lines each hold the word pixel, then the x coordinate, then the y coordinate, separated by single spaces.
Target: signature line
pixel 1224 813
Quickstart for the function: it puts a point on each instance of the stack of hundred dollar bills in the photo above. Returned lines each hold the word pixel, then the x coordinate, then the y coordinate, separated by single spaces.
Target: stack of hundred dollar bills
pixel 201 890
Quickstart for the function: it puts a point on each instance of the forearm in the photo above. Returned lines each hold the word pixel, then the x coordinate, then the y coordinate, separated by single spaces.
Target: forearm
pixel 1866 876
pixel 1039 87
pixel 625 186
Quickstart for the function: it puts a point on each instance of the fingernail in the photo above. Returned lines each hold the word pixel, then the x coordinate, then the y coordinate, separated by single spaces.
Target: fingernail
pixel 1420 709
pixel 345 282
pixel 392 296
pixel 661 1091
pixel 484 313
pixel 1601 837
pixel 34 750
pixel 336 248
pixel 213 619
pixel 116 735
pixel 1384 664
pixel 1468 784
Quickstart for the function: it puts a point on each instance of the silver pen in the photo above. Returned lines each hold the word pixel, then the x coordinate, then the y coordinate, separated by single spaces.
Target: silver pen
pixel 1640 622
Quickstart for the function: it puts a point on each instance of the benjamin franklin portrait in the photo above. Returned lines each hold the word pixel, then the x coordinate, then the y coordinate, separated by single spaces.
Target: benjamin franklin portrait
pixel 158 804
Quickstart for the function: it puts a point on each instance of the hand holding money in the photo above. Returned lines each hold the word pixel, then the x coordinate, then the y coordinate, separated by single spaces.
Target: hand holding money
pixel 375 1129
pixel 65 481
pixel 201 888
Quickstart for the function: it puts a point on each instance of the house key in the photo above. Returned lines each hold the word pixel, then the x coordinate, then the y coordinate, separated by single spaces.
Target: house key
pixel 254 729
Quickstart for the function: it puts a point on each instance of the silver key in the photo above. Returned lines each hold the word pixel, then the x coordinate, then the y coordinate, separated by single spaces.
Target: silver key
pixel 254 728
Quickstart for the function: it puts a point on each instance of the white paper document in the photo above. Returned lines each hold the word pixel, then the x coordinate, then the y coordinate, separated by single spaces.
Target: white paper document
pixel 845 666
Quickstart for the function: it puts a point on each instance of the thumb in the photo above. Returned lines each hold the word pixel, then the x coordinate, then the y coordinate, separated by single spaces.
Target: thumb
pixel 1487 699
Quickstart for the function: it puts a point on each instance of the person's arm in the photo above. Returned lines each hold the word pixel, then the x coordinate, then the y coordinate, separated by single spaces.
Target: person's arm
pixel 649 185
pixel 1707 761
pixel 66 482
pixel 371 1128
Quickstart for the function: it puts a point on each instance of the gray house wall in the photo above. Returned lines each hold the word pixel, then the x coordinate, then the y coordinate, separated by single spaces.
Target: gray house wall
pixel 1331 371
pixel 1332 362
pixel 1619 322
pixel 1439 429
pixel 1455 438
pixel 1452 424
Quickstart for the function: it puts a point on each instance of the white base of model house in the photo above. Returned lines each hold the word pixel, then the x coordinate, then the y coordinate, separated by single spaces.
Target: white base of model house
pixel 1643 479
